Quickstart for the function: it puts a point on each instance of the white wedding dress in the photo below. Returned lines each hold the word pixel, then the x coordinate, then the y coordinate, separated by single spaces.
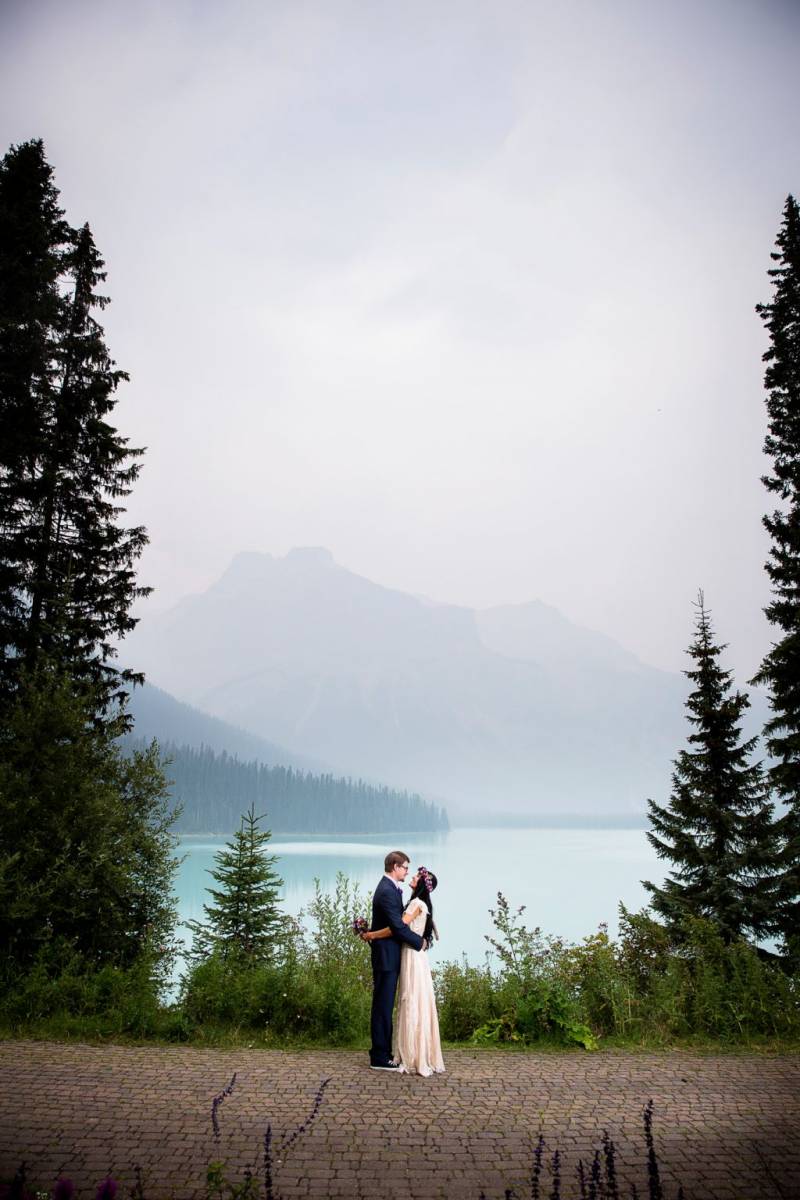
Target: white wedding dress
pixel 416 1027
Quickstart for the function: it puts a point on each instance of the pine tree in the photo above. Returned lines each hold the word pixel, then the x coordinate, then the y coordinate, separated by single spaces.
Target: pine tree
pixel 780 670
pixel 244 921
pixel 34 242
pixel 718 828
pixel 67 581
pixel 85 849
pixel 86 857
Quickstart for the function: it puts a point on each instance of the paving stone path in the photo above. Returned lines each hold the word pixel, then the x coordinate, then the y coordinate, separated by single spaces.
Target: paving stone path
pixel 727 1126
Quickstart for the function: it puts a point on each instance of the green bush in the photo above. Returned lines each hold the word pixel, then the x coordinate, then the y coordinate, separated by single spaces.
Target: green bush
pixel 648 986
pixel 651 985
pixel 105 1001
pixel 727 991
pixel 317 986
pixel 465 998
pixel 533 994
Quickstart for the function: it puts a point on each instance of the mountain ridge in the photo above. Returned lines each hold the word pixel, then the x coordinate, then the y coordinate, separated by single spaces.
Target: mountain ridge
pixel 512 708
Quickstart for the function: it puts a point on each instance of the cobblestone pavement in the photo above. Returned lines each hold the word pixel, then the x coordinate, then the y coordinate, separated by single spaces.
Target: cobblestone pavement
pixel 726 1126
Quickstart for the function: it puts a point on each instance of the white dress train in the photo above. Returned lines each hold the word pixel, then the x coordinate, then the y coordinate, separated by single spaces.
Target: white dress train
pixel 416 1045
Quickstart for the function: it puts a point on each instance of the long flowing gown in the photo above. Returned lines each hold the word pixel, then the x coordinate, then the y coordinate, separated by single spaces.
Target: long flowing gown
pixel 417 1046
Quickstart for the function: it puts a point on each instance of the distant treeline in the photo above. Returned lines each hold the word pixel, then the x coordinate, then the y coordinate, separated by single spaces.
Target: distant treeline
pixel 214 790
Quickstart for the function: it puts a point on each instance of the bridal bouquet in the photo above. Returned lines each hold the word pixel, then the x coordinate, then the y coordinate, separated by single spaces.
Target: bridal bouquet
pixel 360 925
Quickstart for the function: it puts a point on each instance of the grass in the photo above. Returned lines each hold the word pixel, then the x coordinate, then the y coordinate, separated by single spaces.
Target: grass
pixel 96 1031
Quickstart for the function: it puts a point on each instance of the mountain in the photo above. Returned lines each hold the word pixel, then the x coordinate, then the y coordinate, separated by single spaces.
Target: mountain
pixel 159 715
pixel 509 709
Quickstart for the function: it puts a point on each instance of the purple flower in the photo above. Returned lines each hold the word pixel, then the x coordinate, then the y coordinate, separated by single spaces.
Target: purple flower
pixel 268 1192
pixel 537 1167
pixel 106 1190
pixel 291 1138
pixel 64 1189
pixel 215 1103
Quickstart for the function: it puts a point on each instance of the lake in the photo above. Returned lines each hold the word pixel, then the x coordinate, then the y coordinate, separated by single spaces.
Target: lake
pixel 569 879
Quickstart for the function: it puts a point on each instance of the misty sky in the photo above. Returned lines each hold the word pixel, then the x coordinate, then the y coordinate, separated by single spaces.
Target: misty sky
pixel 462 291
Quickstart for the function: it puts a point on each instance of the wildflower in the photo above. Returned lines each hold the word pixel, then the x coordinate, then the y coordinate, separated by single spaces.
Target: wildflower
pixel 609 1151
pixel 268 1163
pixel 556 1171
pixel 137 1191
pixel 288 1141
pixel 64 1189
pixel 653 1181
pixel 595 1179
pixel 215 1103
pixel 537 1167
pixel 106 1190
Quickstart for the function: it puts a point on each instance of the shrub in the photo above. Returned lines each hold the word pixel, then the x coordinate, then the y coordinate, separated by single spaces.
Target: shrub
pixel 316 986
pixel 465 997
pixel 109 1000
pixel 652 984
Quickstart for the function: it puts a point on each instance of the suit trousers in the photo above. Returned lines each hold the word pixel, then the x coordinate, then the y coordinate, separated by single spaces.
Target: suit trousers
pixel 384 987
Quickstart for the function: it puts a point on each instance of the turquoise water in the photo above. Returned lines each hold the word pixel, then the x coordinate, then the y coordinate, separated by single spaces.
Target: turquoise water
pixel 569 879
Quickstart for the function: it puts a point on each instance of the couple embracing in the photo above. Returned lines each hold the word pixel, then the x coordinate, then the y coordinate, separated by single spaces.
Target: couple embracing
pixel 399 938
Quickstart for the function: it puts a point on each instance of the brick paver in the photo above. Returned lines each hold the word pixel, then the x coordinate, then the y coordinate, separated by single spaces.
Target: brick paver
pixel 727 1126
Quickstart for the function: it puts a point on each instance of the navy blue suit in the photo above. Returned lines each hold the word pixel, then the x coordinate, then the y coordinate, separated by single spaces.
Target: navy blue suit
pixel 387 909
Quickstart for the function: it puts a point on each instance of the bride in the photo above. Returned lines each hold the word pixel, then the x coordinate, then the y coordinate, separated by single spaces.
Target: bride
pixel 416 1047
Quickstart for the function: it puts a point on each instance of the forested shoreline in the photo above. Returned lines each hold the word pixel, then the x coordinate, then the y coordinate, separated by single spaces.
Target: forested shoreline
pixel 213 789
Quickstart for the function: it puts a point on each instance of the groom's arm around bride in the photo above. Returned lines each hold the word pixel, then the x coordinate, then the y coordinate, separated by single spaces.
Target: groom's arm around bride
pixel 388 903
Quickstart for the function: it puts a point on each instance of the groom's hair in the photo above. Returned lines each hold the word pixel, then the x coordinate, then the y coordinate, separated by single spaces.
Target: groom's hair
pixel 395 858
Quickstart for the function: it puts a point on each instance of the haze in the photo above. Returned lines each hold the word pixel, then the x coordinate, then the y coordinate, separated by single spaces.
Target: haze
pixel 462 292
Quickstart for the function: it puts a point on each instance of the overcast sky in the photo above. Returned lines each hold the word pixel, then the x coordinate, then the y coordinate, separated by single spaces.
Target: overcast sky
pixel 461 291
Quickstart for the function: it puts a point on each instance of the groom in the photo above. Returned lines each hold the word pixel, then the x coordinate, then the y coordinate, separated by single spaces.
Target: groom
pixel 387 909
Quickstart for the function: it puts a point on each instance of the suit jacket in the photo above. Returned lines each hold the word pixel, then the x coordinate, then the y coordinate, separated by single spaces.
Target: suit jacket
pixel 387 909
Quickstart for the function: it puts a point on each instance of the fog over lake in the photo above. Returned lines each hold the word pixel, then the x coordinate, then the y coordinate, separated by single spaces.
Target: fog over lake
pixel 569 879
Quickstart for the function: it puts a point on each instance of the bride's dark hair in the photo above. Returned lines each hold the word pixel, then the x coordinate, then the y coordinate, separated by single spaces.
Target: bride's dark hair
pixel 423 892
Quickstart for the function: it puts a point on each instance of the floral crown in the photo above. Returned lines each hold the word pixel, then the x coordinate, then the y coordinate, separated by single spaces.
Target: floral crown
pixel 427 878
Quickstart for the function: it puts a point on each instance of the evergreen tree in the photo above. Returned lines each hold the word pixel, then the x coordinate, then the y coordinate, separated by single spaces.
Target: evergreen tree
pixel 718 828
pixel 67 582
pixel 780 670
pixel 86 859
pixel 34 242
pixel 213 789
pixel 85 850
pixel 243 922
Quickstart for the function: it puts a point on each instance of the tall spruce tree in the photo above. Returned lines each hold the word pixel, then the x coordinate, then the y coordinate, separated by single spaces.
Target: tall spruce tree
pixel 718 828
pixel 85 851
pixel 243 923
pixel 67 580
pixel 34 242
pixel 780 670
